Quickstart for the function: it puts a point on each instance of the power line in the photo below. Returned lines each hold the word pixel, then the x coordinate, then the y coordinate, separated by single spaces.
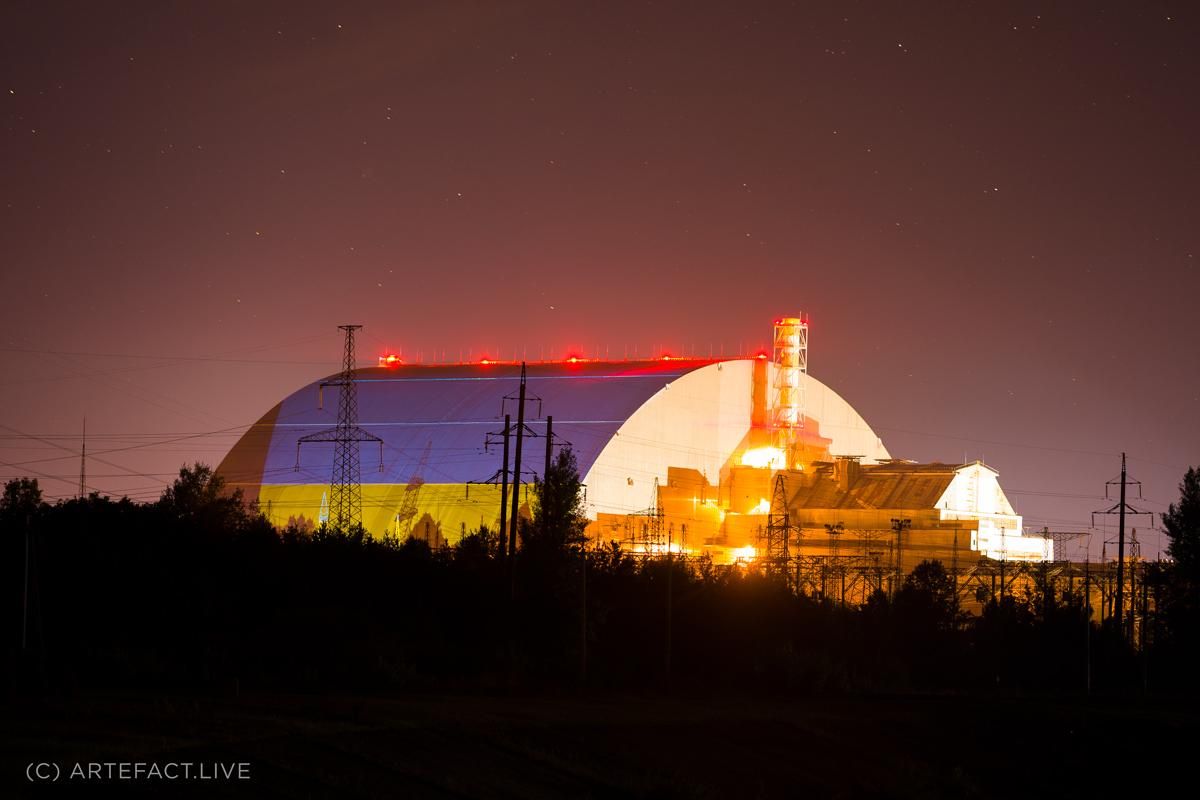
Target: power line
pixel 37 474
pixel 175 357
pixel 73 453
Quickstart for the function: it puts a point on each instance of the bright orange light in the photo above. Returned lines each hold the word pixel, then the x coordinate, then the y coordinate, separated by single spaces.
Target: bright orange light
pixel 484 361
pixel 761 356
pixel 390 360
pixel 662 547
pixel 666 357
pixel 746 553
pixel 764 458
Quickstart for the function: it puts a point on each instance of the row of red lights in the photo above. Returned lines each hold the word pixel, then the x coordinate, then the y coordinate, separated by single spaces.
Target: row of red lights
pixel 392 360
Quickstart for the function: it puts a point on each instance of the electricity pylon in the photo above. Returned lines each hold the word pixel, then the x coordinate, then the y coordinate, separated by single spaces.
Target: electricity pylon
pixel 345 486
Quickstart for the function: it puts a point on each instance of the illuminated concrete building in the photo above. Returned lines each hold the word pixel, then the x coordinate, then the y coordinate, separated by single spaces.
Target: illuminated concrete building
pixel 685 450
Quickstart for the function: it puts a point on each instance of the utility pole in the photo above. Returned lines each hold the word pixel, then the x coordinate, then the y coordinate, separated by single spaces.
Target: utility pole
pixel 509 522
pixel 546 471
pixel 1122 509
pixel 899 526
pixel 83 463
pixel 583 616
pixel 504 487
pixel 549 445
pixel 954 575
pixel 1142 637
pixel 513 521
pixel 500 477
pixel 1121 551
pixel 669 621
pixel 25 588
pixel 1087 621
pixel 345 486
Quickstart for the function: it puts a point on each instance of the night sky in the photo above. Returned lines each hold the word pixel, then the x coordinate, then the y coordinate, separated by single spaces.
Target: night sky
pixel 989 211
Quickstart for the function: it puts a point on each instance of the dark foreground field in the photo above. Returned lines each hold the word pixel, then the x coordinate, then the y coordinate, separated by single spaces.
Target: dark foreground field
pixel 614 746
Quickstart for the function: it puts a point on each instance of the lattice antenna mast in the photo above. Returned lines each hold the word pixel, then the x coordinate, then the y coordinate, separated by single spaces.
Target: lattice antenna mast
pixel 647 538
pixel 345 486
pixel 790 356
pixel 899 526
pixel 83 463
pixel 779 529
pixel 654 519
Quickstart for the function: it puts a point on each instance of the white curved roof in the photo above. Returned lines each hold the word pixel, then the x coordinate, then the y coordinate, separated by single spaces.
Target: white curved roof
pixel 698 421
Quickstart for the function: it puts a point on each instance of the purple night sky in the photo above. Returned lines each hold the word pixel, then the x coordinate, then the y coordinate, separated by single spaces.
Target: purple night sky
pixel 989 211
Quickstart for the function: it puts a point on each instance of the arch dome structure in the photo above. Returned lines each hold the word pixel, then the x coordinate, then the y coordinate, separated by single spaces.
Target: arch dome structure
pixel 628 422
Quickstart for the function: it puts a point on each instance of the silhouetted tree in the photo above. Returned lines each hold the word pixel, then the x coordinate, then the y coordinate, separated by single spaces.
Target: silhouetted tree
pixel 547 569
pixel 558 513
pixel 198 590
pixel 22 497
pixel 1181 523
pixel 476 547
pixel 1177 587
pixel 929 592
pixel 198 495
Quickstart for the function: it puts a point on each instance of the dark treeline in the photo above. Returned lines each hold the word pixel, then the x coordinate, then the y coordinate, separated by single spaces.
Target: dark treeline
pixel 197 591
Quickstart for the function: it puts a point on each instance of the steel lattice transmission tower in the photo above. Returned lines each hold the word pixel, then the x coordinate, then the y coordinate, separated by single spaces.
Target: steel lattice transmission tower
pixel 779 529
pixel 345 487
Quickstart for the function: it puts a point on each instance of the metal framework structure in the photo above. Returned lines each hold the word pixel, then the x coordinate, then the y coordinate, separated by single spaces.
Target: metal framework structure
pixel 852 577
pixel 899 526
pixel 83 463
pixel 779 529
pixel 790 356
pixel 345 486
pixel 645 532
pixel 1122 510
pixel 412 492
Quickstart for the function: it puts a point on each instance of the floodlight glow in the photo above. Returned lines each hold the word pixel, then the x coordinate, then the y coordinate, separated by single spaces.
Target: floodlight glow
pixel 747 553
pixel 764 458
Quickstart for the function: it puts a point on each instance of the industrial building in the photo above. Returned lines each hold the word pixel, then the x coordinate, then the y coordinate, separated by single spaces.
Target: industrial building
pixel 740 459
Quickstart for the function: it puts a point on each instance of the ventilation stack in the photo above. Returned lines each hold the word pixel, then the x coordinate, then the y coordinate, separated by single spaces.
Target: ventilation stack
pixel 790 356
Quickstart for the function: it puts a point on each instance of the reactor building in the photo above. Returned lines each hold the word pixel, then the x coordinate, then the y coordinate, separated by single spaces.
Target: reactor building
pixel 731 458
